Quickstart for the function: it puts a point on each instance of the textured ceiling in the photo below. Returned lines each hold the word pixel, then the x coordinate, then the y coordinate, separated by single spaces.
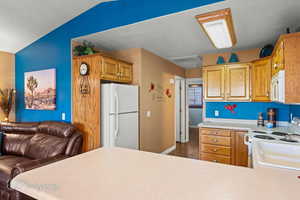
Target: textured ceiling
pixel 178 37
pixel 24 21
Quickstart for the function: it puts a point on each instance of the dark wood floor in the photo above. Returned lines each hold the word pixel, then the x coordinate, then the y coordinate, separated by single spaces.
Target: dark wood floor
pixel 189 149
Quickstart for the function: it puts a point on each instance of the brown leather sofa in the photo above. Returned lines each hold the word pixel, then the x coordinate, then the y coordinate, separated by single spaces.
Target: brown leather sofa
pixel 26 146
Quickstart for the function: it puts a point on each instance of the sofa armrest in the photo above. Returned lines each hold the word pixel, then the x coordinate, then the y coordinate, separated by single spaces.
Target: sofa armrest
pixel 32 164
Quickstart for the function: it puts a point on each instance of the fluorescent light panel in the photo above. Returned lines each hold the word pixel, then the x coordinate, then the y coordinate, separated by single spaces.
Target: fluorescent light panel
pixel 219 28
pixel 218 33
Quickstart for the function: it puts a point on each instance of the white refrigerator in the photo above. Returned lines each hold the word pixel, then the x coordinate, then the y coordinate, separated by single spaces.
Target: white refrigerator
pixel 119 116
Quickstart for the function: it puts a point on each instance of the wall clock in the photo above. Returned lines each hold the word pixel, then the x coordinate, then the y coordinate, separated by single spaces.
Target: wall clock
pixel 84 82
pixel 84 69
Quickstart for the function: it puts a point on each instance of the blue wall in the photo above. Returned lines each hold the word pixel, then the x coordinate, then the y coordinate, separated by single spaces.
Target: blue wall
pixel 53 50
pixel 246 110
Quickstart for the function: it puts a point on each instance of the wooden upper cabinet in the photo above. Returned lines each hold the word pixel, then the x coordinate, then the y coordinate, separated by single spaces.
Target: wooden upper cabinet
pixel 115 70
pixel 278 58
pixel 238 82
pixel 214 83
pixel 241 150
pixel 109 69
pixel 125 72
pixel 261 79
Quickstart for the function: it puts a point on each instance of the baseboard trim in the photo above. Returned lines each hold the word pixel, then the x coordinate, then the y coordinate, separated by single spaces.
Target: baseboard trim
pixel 169 150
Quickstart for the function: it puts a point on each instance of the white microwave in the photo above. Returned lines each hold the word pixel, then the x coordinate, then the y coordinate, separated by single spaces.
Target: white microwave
pixel 278 87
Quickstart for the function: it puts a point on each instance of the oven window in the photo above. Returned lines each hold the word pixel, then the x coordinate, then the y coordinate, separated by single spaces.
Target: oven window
pixel 195 95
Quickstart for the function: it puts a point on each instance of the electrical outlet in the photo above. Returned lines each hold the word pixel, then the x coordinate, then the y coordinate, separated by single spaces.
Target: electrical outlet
pixel 63 116
pixel 217 113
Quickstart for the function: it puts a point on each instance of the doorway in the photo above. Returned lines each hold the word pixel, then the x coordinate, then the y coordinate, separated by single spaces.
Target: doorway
pixel 181 117
pixel 188 98
pixel 195 101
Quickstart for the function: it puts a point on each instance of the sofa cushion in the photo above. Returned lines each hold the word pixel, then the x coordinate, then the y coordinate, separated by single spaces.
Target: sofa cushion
pixel 45 146
pixel 15 127
pixel 1 142
pixel 7 163
pixel 15 144
pixel 59 129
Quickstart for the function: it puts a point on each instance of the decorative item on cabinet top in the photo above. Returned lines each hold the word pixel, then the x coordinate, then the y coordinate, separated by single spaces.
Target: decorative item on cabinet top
pixel 87 48
pixel 233 58
pixel 111 69
pixel 220 60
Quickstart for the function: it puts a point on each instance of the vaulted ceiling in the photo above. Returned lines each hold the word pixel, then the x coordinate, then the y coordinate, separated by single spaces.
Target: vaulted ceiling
pixel 178 36
pixel 24 21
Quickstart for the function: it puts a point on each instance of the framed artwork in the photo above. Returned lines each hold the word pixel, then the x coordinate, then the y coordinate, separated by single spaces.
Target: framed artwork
pixel 40 90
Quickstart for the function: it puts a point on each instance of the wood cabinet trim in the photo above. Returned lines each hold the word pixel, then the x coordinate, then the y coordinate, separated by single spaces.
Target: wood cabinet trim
pixel 261 80
pixel 234 149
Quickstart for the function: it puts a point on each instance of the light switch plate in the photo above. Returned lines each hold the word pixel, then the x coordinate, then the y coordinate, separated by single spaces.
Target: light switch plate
pixel 217 113
pixel 63 116
pixel 148 113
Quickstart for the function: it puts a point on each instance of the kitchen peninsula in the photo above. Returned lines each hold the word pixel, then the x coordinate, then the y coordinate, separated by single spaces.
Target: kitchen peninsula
pixel 115 173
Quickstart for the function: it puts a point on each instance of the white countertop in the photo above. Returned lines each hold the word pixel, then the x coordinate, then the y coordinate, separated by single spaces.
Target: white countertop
pixel 245 127
pixel 114 174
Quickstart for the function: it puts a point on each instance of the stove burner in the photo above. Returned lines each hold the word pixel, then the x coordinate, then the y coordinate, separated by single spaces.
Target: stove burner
pixel 289 140
pixel 279 133
pixel 265 137
pixel 262 132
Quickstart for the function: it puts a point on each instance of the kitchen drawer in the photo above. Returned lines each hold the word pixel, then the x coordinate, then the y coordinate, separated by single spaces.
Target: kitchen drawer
pixel 215 158
pixel 216 140
pixel 211 131
pixel 215 149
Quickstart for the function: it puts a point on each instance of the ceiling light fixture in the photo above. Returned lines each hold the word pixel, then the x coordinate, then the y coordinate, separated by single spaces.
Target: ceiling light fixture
pixel 218 26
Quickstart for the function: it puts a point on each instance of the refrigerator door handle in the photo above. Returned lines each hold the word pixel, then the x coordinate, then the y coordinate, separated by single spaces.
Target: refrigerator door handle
pixel 117 115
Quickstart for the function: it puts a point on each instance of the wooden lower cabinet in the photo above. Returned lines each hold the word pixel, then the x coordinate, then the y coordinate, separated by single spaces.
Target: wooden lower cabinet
pixel 216 158
pixel 223 146
pixel 216 149
pixel 241 150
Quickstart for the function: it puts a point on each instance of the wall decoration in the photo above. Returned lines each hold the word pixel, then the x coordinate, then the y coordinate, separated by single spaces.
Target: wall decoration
pixel 7 98
pixel 230 107
pixel 233 58
pixel 169 93
pixel 85 86
pixel 157 92
pixel 152 87
pixel 220 60
pixel 40 90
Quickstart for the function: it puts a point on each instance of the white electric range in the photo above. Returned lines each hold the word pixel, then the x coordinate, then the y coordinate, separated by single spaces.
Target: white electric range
pixel 281 137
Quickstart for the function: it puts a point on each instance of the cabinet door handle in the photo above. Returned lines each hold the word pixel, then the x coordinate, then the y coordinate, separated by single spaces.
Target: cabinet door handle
pixel 215 140
pixel 215 161
pixel 268 94
pixel 215 150
pixel 216 133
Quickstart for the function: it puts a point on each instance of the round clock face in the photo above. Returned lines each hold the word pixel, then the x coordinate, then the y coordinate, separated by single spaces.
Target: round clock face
pixel 84 69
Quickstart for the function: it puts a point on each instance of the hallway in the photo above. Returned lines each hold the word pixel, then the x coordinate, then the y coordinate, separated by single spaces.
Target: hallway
pixel 189 149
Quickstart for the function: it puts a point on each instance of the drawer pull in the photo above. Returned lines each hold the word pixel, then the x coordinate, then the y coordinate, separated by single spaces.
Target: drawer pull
pixel 216 133
pixel 215 161
pixel 215 140
pixel 215 150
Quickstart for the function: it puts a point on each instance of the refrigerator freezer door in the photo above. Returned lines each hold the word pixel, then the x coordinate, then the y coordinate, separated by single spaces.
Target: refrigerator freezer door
pixel 125 98
pixel 128 131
